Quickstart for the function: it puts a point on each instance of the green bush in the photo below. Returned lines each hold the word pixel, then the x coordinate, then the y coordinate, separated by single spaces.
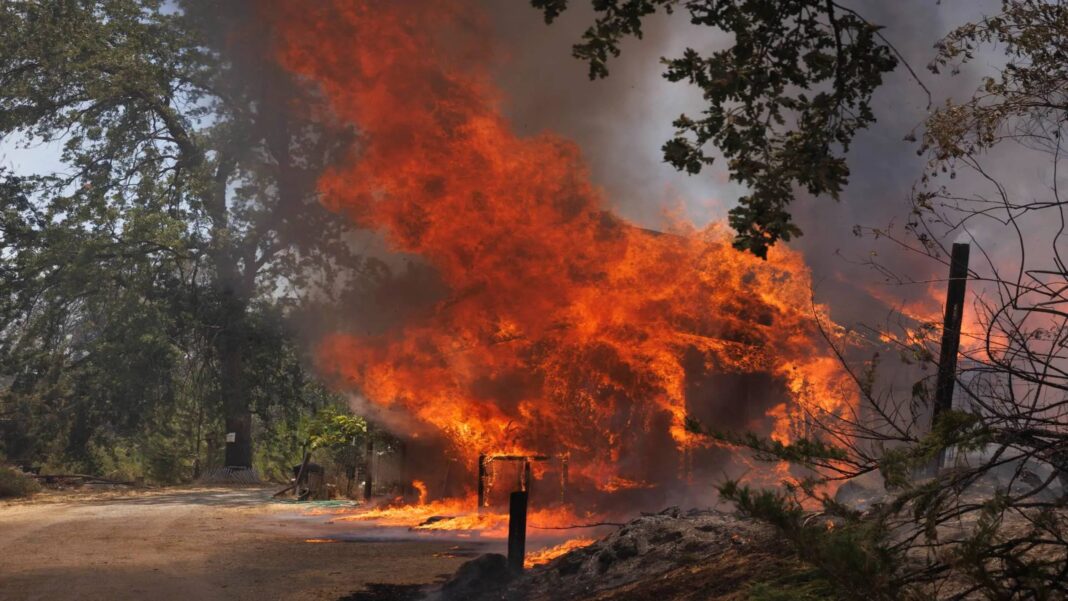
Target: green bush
pixel 14 484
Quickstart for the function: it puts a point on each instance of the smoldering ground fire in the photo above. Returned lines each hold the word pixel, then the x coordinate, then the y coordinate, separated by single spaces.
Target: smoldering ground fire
pixel 566 330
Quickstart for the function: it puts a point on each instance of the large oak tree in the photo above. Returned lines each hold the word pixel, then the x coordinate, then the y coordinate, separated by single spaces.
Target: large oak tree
pixel 185 206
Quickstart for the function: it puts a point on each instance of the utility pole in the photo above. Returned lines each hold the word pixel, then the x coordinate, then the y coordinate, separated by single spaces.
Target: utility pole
pixel 951 323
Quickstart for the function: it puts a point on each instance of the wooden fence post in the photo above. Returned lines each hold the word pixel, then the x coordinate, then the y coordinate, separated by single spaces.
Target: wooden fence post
pixel 517 530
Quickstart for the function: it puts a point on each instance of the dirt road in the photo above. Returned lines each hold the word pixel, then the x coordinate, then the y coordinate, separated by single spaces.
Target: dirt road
pixel 201 544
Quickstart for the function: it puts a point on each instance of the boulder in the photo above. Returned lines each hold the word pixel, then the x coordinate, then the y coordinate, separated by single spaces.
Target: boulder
pixel 477 578
pixel 861 494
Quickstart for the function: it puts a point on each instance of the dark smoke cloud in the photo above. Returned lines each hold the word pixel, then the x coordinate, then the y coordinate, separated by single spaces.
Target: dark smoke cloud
pixel 621 122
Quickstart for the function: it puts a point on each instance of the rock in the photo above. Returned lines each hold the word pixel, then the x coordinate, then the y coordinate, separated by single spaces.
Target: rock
pixel 1037 480
pixel 480 576
pixel 644 549
pixel 625 548
pixel 667 536
pixel 860 495
pixel 570 564
pixel 672 512
pixel 605 559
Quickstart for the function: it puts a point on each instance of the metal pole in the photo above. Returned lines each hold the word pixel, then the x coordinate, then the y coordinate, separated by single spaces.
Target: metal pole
pixel 517 530
pixel 947 359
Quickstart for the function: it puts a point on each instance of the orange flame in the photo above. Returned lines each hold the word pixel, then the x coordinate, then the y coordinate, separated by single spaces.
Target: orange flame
pixel 567 329
pixel 420 486
pixel 543 556
pixel 456 517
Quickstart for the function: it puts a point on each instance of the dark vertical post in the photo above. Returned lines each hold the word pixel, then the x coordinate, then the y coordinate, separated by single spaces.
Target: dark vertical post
pixel 445 478
pixel 350 467
pixel 517 530
pixel 564 459
pixel 947 358
pixel 350 475
pixel 481 482
pixel 368 482
pixel 300 475
pixel 526 476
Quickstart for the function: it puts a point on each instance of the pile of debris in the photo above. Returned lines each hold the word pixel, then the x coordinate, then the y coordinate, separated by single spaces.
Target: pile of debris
pixel 669 555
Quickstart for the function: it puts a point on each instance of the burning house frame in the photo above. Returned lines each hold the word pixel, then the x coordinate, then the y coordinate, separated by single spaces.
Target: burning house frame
pixel 525 476
pixel 566 328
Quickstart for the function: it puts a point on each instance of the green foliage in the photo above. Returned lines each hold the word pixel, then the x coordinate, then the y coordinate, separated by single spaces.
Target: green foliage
pixel 802 451
pixel 146 284
pixel 963 430
pixel 14 484
pixel 855 555
pixel 783 102
pixel 1024 98
pixel 282 441
pixel 333 429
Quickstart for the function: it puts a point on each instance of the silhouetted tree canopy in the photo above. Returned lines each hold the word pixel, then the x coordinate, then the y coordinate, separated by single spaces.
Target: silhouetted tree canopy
pixel 784 100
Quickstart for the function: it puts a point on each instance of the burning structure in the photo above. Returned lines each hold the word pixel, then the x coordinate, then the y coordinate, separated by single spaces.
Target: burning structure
pixel 567 331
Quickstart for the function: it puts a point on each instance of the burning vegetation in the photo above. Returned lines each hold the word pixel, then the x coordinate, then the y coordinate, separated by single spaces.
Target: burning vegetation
pixel 567 330
pixel 542 364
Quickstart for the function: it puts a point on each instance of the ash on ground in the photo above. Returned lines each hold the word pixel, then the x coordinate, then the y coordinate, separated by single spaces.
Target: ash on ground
pixel 667 556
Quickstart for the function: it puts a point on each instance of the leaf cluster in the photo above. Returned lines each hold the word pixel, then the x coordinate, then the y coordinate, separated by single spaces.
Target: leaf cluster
pixel 333 429
pixel 784 100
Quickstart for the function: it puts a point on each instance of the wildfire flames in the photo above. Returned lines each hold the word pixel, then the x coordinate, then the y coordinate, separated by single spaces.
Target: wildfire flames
pixel 550 553
pixel 567 329
pixel 420 486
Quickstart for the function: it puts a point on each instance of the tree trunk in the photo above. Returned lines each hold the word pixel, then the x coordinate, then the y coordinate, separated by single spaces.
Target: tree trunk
pixel 232 385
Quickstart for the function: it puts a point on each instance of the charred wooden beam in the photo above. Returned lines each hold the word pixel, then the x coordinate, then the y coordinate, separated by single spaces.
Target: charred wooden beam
pixel 481 482
pixel 517 457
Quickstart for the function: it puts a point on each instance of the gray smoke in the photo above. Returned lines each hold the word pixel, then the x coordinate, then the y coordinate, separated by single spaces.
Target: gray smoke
pixel 621 122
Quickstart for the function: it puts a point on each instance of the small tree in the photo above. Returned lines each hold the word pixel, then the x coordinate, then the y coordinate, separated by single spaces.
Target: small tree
pixel 336 432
